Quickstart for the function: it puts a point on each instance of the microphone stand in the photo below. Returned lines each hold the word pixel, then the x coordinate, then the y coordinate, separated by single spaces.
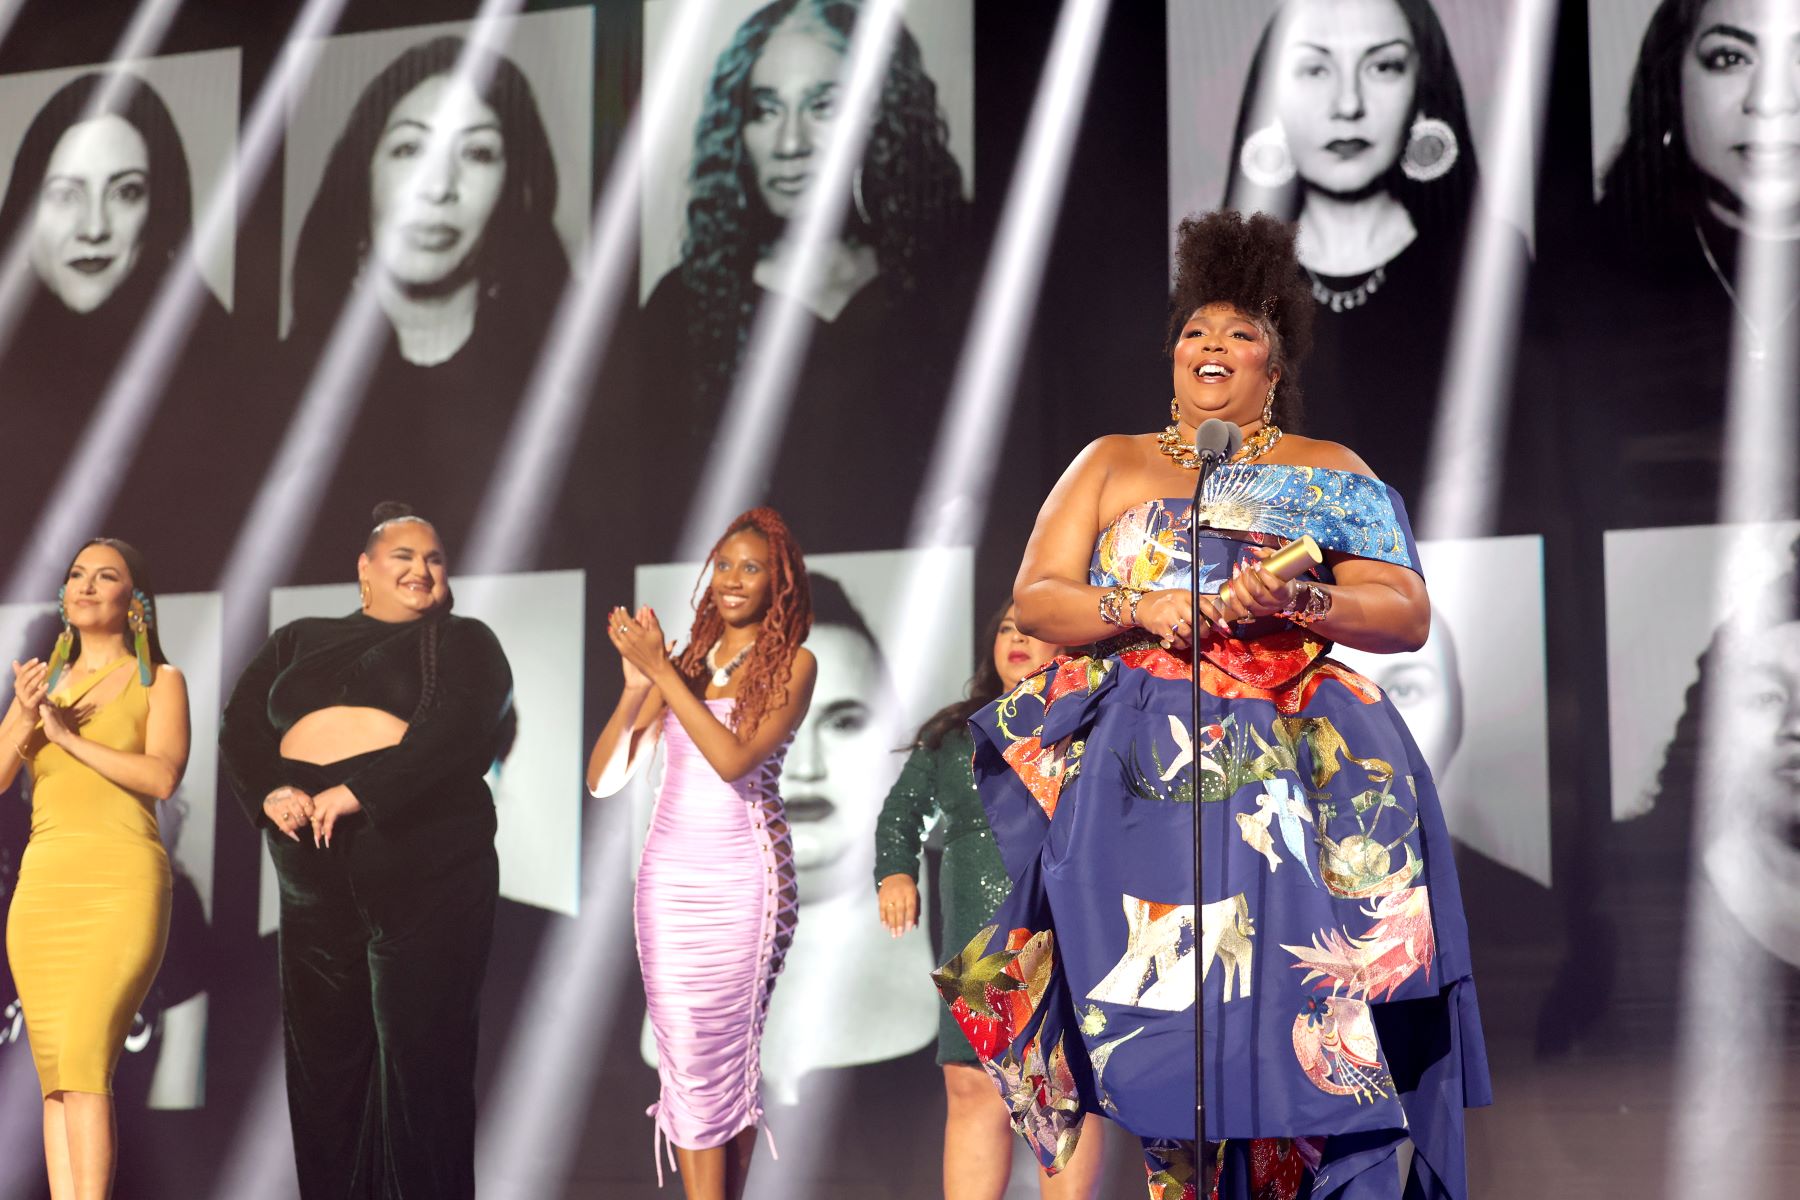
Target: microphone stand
pixel 1210 460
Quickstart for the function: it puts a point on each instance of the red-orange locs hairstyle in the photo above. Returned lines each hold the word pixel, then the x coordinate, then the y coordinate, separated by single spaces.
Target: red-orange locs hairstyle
pixel 762 680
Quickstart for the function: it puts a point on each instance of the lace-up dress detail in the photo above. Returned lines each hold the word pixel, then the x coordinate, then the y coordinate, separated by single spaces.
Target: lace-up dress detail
pixel 715 911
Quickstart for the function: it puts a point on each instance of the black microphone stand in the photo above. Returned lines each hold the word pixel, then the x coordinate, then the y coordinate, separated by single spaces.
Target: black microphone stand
pixel 1211 458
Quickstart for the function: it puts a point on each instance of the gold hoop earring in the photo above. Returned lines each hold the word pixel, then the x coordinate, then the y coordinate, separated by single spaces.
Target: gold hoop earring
pixel 1174 410
pixel 1269 407
pixel 363 590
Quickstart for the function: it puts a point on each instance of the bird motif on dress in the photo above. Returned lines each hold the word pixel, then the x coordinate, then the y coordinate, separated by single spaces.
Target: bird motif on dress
pixel 1373 966
pixel 1288 809
pixel 1254 828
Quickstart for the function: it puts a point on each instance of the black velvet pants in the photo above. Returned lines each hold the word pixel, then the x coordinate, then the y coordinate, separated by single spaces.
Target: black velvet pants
pixel 383 946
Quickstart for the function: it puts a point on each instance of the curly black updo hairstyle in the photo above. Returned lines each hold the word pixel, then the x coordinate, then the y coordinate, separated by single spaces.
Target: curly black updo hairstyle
pixel 1248 262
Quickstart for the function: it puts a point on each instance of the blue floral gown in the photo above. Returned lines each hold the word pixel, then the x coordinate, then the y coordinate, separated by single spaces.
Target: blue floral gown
pixel 1340 1006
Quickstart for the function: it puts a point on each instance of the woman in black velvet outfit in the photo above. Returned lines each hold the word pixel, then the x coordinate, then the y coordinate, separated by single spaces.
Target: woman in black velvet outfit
pixel 359 745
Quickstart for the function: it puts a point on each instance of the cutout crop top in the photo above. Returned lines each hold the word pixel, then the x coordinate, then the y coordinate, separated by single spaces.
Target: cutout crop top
pixel 357 661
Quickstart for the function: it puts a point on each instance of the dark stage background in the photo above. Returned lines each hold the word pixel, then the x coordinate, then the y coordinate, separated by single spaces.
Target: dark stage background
pixel 1571 613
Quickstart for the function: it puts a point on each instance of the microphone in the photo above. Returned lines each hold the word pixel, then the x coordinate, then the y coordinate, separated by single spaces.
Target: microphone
pixel 1217 440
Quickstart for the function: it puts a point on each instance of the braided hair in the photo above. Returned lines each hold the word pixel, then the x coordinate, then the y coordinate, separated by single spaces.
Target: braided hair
pixel 1224 257
pixel 388 514
pixel 762 680
pixel 1683 772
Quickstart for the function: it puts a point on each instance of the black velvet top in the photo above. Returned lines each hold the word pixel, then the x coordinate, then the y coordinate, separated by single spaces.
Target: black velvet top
pixel 358 661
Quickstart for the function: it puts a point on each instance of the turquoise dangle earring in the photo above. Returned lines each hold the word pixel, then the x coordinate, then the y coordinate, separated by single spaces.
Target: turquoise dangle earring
pixel 141 617
pixel 65 643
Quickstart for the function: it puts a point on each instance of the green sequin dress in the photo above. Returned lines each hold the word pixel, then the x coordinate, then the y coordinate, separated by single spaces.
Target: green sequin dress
pixel 974 880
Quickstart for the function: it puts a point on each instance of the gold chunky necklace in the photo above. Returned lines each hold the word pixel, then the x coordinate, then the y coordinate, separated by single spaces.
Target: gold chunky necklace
pixel 1183 454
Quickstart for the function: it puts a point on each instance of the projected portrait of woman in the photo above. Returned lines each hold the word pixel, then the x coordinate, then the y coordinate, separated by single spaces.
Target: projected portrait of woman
pixel 881 298
pixel 1747 848
pixel 100 197
pixel 1701 179
pixel 1426 685
pixel 100 190
pixel 1706 883
pixel 845 739
pixel 439 219
pixel 438 197
pixel 1352 122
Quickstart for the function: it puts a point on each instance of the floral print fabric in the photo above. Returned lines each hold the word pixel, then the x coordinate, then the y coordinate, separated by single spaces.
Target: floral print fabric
pixel 1328 943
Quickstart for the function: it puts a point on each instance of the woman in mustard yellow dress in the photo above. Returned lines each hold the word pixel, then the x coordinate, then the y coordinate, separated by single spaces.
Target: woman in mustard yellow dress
pixel 103 728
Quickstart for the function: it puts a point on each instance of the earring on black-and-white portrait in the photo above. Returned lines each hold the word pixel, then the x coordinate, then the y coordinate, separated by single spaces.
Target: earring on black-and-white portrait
pixel 1431 150
pixel 856 195
pixel 1265 159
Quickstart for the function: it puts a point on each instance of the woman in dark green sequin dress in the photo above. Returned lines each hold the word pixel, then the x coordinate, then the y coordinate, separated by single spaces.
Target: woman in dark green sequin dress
pixel 978 1137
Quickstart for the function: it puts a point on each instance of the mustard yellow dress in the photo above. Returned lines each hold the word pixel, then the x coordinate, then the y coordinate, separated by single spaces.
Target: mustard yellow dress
pixel 90 914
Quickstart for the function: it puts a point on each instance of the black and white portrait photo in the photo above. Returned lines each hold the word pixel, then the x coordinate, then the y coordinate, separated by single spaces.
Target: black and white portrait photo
pixel 1704 698
pixel 1474 696
pixel 450 176
pixel 1695 105
pixel 439 187
pixel 1364 121
pixel 105 173
pixel 1647 691
pixel 882 303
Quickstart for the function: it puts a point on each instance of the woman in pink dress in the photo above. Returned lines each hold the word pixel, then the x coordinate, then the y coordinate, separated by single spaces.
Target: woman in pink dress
pixel 716 897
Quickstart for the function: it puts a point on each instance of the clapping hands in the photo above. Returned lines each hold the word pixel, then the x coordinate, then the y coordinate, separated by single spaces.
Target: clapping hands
pixel 31 689
pixel 31 683
pixel 643 651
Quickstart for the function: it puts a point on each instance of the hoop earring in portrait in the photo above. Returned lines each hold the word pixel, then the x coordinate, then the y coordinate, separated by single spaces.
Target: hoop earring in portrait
pixel 1431 150
pixel 1265 158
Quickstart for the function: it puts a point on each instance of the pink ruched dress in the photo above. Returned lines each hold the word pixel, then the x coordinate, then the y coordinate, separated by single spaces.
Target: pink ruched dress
pixel 714 912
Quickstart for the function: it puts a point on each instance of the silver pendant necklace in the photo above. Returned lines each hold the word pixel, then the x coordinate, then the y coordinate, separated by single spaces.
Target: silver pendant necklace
pixel 1759 346
pixel 722 675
